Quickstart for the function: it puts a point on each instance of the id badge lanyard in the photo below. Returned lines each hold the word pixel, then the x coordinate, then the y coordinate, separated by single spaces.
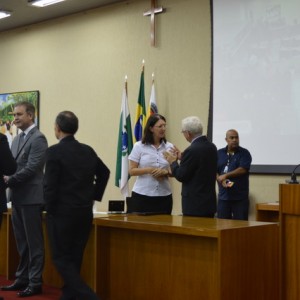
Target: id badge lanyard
pixel 229 156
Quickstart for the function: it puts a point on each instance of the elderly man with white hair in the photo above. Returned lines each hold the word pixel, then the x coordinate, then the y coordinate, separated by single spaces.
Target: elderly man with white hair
pixel 196 171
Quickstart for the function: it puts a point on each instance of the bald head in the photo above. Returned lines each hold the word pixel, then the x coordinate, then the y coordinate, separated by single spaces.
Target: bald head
pixel 232 139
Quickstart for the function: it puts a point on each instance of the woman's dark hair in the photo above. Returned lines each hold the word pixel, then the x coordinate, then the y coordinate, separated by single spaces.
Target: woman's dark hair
pixel 67 122
pixel 148 134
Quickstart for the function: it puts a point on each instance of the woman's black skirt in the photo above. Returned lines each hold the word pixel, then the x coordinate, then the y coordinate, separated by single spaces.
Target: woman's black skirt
pixel 138 203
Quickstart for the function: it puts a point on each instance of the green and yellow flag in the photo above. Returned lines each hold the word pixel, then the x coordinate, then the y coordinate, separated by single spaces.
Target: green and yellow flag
pixel 140 117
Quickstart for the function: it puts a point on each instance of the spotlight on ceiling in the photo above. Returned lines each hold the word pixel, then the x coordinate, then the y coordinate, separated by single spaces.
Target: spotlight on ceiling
pixel 4 14
pixel 42 3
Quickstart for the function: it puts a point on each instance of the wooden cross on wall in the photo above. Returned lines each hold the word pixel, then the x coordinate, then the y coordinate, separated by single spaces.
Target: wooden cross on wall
pixel 152 12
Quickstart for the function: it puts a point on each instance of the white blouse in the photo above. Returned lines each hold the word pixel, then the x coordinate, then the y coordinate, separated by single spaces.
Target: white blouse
pixel 149 156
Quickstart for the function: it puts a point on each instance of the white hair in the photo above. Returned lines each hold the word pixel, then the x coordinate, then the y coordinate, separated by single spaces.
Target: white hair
pixel 193 125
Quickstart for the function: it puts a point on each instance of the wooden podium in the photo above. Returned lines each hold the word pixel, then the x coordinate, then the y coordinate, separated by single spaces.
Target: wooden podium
pixel 289 214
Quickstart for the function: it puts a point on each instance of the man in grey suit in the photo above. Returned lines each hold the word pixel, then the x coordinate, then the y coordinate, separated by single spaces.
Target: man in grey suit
pixel 26 194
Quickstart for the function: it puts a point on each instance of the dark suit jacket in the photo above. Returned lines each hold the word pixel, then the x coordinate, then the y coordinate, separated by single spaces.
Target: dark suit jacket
pixel 197 172
pixel 7 167
pixel 27 183
pixel 74 177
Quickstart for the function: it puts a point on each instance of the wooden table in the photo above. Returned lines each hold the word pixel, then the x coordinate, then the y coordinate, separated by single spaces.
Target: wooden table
pixel 175 257
pixel 267 212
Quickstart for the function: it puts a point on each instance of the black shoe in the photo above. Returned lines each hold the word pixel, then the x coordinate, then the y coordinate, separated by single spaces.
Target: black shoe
pixel 30 291
pixel 14 287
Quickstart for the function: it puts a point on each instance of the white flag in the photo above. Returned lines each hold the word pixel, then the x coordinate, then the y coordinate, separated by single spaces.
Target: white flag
pixel 152 108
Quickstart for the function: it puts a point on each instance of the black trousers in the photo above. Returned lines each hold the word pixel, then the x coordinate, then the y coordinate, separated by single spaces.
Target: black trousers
pixel 68 236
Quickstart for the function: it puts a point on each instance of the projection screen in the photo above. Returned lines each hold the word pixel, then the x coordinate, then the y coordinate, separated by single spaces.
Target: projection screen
pixel 256 79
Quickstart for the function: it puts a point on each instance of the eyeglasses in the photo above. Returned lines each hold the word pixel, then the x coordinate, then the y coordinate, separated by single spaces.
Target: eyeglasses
pixel 161 126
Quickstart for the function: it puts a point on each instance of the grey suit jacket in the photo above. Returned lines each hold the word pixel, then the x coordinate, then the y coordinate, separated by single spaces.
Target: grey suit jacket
pixel 26 185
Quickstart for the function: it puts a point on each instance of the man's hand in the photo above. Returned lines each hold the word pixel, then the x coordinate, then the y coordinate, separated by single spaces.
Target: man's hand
pixel 176 152
pixel 170 157
pixel 221 178
pixel 6 178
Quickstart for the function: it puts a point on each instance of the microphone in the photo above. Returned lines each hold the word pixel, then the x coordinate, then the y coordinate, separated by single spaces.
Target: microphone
pixel 293 179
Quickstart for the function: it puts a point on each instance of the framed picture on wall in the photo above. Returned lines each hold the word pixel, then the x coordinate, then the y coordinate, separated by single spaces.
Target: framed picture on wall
pixel 7 102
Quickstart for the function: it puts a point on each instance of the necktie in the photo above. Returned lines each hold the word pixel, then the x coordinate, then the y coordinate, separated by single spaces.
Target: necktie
pixel 21 140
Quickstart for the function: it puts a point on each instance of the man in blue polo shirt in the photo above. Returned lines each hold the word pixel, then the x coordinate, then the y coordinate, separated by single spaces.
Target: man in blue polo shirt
pixel 233 179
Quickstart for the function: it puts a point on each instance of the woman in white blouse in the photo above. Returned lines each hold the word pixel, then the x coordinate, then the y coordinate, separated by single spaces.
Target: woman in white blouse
pixel 151 192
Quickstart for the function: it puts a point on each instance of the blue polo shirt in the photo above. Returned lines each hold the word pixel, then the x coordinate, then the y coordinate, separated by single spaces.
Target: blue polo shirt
pixel 227 163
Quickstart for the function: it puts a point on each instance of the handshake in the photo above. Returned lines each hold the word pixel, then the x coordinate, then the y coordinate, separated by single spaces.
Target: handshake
pixel 169 157
pixel 172 155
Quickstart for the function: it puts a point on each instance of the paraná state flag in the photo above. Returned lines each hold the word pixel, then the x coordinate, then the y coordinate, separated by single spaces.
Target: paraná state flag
pixel 124 146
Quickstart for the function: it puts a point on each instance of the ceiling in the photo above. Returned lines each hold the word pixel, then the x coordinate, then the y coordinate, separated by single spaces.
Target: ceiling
pixel 24 14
